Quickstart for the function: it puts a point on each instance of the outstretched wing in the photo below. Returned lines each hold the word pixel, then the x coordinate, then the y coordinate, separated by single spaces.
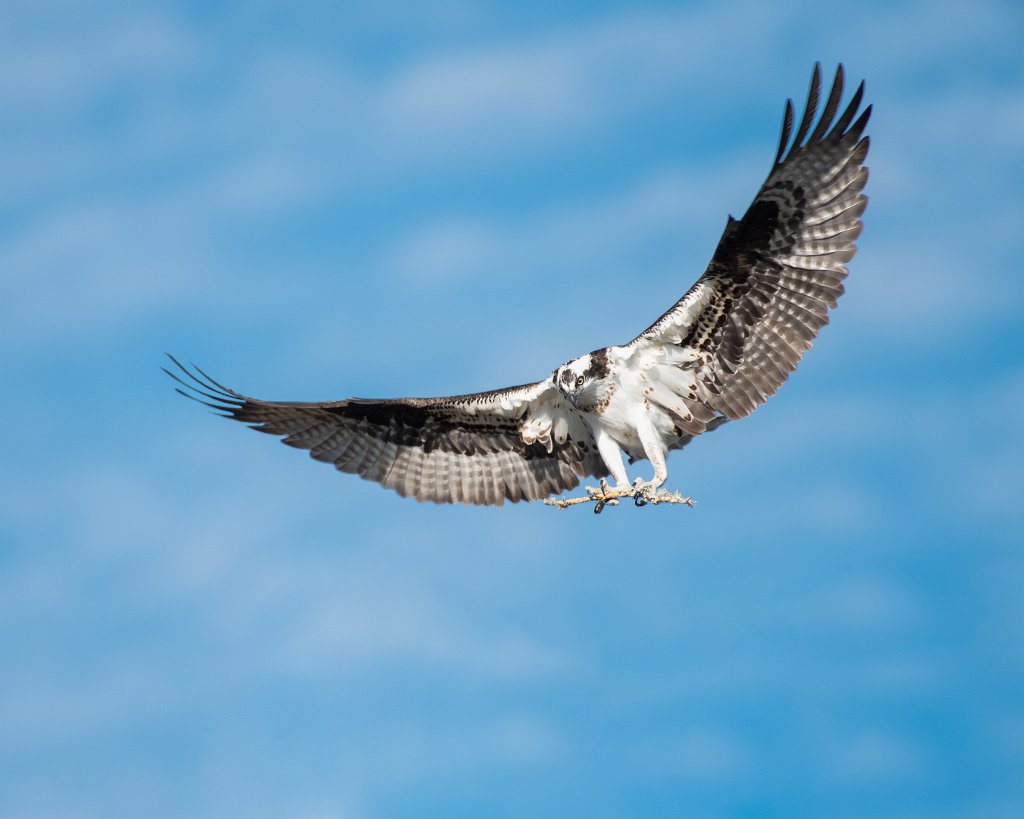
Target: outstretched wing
pixel 737 334
pixel 519 443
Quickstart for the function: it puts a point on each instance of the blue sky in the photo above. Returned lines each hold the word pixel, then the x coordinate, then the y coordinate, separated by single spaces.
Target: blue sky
pixel 318 200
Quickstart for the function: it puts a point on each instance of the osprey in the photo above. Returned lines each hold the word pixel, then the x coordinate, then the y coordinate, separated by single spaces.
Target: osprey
pixel 715 355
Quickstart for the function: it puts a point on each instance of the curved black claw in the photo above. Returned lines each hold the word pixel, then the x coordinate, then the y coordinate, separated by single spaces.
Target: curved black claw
pixel 641 492
pixel 598 507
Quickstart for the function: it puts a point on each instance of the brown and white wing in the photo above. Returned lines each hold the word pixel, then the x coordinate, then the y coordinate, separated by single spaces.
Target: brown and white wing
pixel 519 443
pixel 732 340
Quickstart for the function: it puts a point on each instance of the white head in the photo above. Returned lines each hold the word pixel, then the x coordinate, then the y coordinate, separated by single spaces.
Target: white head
pixel 584 381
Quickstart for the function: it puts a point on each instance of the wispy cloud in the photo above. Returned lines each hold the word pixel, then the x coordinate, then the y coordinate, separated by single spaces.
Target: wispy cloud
pixel 204 622
pixel 56 66
pixel 878 756
pixel 710 755
pixel 581 241
pixel 285 118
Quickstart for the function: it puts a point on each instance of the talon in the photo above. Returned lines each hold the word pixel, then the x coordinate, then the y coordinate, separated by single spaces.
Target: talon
pixel 641 488
pixel 640 500
pixel 598 507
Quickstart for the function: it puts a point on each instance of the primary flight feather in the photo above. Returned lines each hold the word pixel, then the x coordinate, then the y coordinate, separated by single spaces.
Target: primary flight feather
pixel 715 355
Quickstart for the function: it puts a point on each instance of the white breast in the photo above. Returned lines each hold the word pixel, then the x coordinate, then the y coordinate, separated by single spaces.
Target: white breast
pixel 619 418
pixel 633 376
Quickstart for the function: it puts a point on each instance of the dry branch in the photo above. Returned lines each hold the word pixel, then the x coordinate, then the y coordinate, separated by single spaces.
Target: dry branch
pixel 606 496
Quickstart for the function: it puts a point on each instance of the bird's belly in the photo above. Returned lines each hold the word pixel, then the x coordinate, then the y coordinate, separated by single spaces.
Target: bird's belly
pixel 619 421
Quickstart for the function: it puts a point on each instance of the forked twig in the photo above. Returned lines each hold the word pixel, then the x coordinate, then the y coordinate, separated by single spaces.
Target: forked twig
pixel 606 496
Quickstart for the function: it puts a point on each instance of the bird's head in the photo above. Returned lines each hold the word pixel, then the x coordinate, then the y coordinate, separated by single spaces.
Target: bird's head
pixel 584 381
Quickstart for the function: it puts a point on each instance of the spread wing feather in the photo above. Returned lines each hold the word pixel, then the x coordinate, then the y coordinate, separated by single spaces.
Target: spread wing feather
pixel 519 443
pixel 778 270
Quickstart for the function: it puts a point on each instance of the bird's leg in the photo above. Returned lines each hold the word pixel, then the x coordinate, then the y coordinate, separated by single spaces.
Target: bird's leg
pixel 654 449
pixel 643 492
pixel 611 454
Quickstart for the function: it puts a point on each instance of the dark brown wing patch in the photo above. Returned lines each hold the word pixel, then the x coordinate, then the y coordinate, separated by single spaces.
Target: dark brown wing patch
pixel 779 269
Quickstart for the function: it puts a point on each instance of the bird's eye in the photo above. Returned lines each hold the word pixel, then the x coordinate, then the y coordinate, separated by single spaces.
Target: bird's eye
pixel 579 382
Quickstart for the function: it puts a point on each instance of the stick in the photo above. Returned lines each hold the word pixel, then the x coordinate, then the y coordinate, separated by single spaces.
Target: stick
pixel 610 497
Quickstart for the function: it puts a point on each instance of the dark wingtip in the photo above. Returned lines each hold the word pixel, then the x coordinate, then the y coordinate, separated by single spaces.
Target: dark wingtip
pixel 831 106
pixel 862 121
pixel 787 129
pixel 203 389
pixel 828 127
pixel 196 398
pixel 839 130
pixel 176 363
pixel 813 95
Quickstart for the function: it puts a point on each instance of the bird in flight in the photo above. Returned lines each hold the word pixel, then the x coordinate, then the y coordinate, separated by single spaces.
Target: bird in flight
pixel 715 355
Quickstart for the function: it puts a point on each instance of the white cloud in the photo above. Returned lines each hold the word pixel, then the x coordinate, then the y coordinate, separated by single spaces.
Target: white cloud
pixel 437 253
pixel 44 708
pixel 87 262
pixel 563 81
pixel 875 756
pixel 301 126
pixel 55 69
pixel 368 617
pixel 402 754
pixel 710 755
pixel 87 267
pixel 581 241
pixel 871 603
pixel 343 616
pixel 902 673
pixel 907 38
